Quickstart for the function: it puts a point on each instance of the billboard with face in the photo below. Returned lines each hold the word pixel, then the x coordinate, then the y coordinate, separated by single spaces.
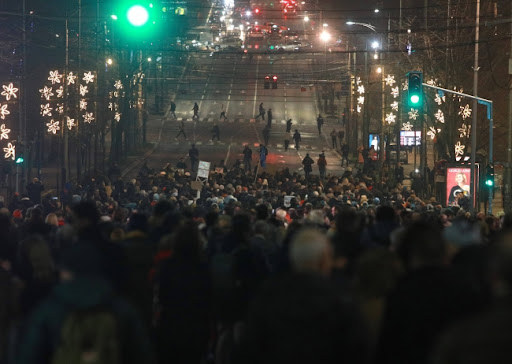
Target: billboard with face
pixel 458 184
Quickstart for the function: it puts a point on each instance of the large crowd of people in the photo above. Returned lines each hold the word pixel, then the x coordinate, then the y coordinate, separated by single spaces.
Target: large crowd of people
pixel 245 268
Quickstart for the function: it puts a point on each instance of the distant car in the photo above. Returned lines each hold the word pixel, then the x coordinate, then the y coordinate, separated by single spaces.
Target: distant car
pixel 232 43
pixel 293 46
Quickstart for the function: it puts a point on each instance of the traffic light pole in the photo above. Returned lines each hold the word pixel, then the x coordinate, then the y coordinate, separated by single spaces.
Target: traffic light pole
pixel 488 104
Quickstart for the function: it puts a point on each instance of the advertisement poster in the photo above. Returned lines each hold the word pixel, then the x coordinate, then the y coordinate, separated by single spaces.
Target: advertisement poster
pixel 458 180
pixel 410 138
pixel 374 140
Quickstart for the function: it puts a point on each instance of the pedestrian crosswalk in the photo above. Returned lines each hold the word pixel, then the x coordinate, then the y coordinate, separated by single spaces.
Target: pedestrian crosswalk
pixel 277 146
pixel 228 120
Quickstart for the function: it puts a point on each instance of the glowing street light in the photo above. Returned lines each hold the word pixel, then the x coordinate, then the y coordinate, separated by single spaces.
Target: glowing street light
pixel 325 36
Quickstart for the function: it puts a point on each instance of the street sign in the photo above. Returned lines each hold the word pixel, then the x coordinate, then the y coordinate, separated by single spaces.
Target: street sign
pixel 203 170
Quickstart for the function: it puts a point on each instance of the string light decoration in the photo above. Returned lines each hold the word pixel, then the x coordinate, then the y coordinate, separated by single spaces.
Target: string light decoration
pixel 465 111
pixel 390 80
pixel 3 111
pixel 9 91
pixel 395 92
pixel 88 77
pixel 390 118
pixel 413 114
pixel 54 77
pixel 459 149
pixel 46 93
pixel 71 78
pixel 88 117
pixel 407 126
pixel 10 151
pixel 433 132
pixel 439 115
pixel 394 105
pixel 70 123
pixel 438 99
pixel 4 132
pixel 464 130
pixel 53 126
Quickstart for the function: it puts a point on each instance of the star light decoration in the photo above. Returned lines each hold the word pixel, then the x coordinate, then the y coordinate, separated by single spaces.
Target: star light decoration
pixel 465 111
pixel 360 89
pixel 464 131
pixel 53 126
pixel 432 82
pixel 359 108
pixel 54 77
pixel 83 104
pixel 46 92
pixel 83 90
pixel 405 85
pixel 438 99
pixel 4 132
pixel 459 149
pixel 117 116
pixel 70 123
pixel 433 132
pixel 10 151
pixel 461 90
pixel 395 92
pixel 390 118
pixel 118 85
pixel 9 91
pixel 60 92
pixel 394 105
pixel 360 100
pixel 439 115
pixel 46 110
pixel 390 80
pixel 60 109
pixel 413 114
pixel 88 77
pixel 71 78
pixel 110 106
pixel 407 126
pixel 88 117
pixel 3 111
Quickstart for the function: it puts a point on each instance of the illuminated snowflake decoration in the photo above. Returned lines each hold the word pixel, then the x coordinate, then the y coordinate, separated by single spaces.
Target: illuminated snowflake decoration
pixel 60 92
pixel 395 92
pixel 360 89
pixel 358 81
pixel 4 132
pixel 432 82
pixel 110 106
pixel 433 132
pixel 358 108
pixel 459 149
pixel 360 100
pixel 390 118
pixel 3 111
pixel 9 91
pixel 439 115
pixel 83 104
pixel 116 94
pixel 407 126
pixel 54 77
pixel 46 110
pixel 438 99
pixel 71 78
pixel 464 131
pixel 413 114
pixel 60 108
pixel 83 90
pixel 46 92
pixel 53 126
pixel 458 96
pixel 118 85
pixel 405 85
pixel 390 80
pixel 465 111
pixel 70 123
pixel 10 151
pixel 394 105
pixel 117 116
pixel 88 117
pixel 88 77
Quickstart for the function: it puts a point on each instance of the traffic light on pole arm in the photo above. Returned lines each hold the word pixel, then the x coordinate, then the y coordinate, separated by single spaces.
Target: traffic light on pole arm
pixel 415 89
pixel 137 19
pixel 489 176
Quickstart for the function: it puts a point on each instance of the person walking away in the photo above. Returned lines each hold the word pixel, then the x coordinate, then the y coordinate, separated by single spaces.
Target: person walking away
pixel 181 131
pixel 308 162
pixel 266 134
pixel 341 136
pixel 322 165
pixel 216 132
pixel 34 190
pixel 288 125
pixel 297 139
pixel 247 158
pixel 344 153
pixel 262 112
pixel 173 109
pixel 334 139
pixel 319 123
pixel 263 155
pixel 222 113
pixel 196 111
pixel 269 118
pixel 193 154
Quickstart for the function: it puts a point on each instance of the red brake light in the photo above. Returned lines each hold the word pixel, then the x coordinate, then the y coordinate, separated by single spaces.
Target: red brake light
pixel 274 78
pixel 267 78
pixel 257 11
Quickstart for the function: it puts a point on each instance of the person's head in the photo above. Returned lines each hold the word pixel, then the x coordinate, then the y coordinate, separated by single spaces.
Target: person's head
pixel 461 179
pixel 193 145
pixel 52 219
pixel 311 252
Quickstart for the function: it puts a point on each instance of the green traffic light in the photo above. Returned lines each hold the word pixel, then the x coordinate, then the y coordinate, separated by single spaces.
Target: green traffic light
pixel 415 99
pixel 19 160
pixel 137 15
pixel 489 183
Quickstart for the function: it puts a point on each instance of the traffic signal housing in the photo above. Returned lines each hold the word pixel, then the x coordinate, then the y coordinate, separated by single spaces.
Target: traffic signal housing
pixel 267 82
pixel 138 20
pixel 274 81
pixel 489 176
pixel 415 89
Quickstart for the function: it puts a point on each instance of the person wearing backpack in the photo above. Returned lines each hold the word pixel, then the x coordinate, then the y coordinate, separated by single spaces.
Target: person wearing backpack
pixel 83 320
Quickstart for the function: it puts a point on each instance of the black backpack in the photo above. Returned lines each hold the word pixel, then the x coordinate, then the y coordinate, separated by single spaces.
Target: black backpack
pixel 89 336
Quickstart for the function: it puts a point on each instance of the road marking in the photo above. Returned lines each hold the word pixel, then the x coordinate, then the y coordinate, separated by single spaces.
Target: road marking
pixel 256 87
